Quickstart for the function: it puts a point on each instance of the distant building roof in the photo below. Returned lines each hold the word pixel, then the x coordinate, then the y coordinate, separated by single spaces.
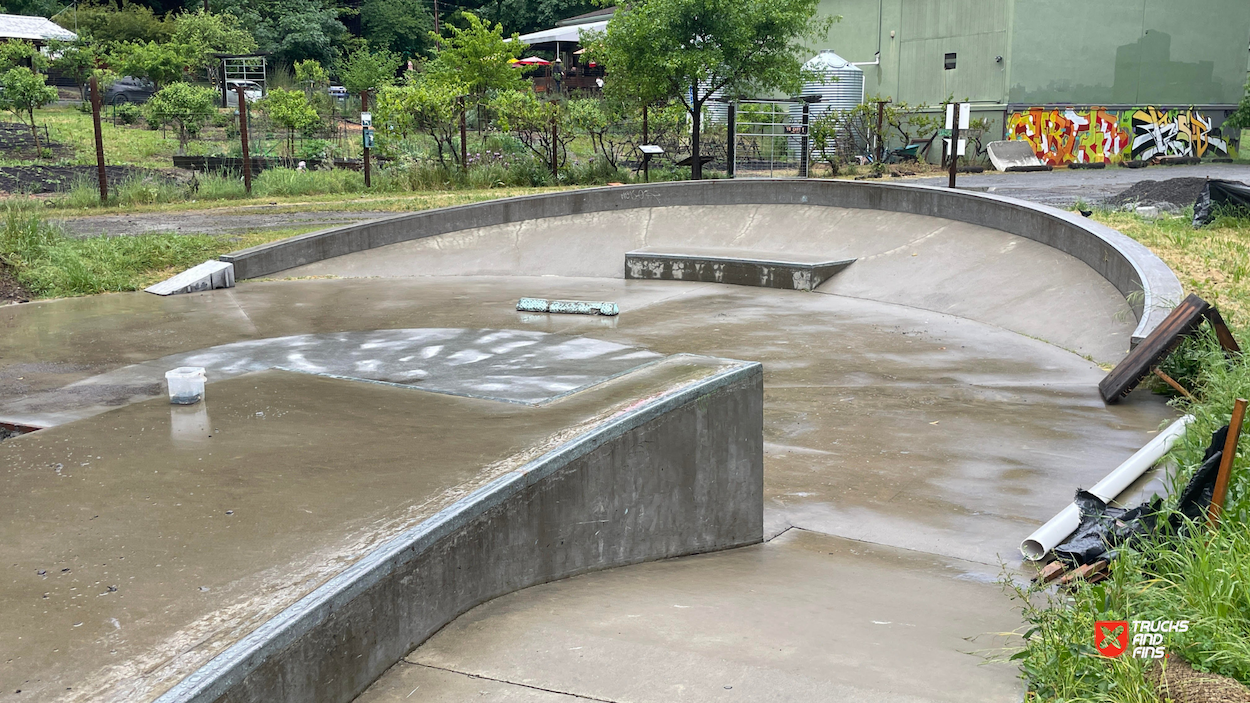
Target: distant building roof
pixel 600 14
pixel 568 34
pixel 36 28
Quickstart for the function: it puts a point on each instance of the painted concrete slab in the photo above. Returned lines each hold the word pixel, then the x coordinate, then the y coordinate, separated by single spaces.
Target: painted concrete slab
pixel 141 542
pixel 515 366
pixel 1014 155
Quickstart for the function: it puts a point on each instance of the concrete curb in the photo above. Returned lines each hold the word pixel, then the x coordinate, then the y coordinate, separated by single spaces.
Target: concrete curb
pixel 1149 285
pixel 334 642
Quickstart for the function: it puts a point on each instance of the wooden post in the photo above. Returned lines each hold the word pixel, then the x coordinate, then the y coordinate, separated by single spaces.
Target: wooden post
pixel 364 107
pixel 99 140
pixel 954 150
pixel 247 154
pixel 464 140
pixel 1226 463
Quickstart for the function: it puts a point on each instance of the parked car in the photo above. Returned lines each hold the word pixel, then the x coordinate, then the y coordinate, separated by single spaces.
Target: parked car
pixel 252 90
pixel 128 90
pixel 338 91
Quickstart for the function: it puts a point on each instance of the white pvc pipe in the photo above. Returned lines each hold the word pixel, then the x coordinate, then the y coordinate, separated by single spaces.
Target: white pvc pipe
pixel 1048 536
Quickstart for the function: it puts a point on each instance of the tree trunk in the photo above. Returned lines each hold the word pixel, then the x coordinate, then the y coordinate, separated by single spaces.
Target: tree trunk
pixel 696 164
pixel 34 132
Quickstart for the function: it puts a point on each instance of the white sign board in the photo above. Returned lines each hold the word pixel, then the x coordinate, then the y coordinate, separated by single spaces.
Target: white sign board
pixel 965 114
pixel 366 119
pixel 962 144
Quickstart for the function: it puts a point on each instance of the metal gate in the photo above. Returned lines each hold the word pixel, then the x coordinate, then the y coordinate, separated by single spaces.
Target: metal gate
pixel 768 138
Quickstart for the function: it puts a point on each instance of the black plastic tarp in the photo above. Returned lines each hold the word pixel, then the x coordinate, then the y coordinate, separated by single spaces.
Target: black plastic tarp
pixel 1219 193
pixel 1104 529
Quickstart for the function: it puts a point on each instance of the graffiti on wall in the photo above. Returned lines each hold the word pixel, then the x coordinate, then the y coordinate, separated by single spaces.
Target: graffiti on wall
pixel 1095 135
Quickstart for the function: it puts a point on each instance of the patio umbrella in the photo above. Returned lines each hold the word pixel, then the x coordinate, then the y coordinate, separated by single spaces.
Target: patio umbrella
pixel 533 61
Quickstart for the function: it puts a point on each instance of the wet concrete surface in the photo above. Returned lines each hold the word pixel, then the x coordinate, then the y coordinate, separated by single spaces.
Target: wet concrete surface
pixel 926 262
pixel 935 441
pixel 1064 187
pixel 142 541
pixel 806 617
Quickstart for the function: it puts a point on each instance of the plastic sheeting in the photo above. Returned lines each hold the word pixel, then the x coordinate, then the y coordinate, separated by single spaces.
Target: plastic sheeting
pixel 1104 530
pixel 1219 193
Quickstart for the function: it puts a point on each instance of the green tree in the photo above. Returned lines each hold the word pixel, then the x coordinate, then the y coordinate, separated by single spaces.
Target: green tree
pixel 74 59
pixel 368 70
pixel 22 91
pixel 688 50
pixel 428 106
pixel 205 34
pixel 21 53
pixel 290 110
pixel 108 24
pixel 292 30
pixel 1241 118
pixel 478 57
pixel 402 26
pixel 311 73
pixel 161 63
pixel 184 106
pixel 530 119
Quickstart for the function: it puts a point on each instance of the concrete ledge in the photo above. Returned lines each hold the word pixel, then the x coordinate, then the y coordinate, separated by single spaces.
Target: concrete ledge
pixel 744 268
pixel 206 276
pixel 1149 285
pixel 679 474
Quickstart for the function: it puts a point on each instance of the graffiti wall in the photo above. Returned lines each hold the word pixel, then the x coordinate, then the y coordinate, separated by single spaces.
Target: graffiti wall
pixel 1093 135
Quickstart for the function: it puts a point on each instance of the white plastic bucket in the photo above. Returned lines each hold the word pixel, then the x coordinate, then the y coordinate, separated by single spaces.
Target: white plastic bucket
pixel 186 384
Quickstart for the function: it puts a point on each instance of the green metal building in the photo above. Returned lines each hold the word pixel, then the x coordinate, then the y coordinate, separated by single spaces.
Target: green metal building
pixel 1082 79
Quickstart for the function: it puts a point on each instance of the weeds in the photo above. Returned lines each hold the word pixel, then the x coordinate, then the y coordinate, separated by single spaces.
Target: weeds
pixel 47 263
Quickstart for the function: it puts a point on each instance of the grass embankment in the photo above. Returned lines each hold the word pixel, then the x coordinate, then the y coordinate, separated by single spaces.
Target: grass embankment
pixel 1202 576
pixel 48 264
pixel 132 146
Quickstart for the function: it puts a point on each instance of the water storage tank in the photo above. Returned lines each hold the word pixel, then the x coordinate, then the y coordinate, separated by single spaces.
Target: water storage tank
pixel 839 83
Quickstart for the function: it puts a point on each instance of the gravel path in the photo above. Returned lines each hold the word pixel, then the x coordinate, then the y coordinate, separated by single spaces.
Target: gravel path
pixel 217 221
pixel 1059 188
pixel 1063 187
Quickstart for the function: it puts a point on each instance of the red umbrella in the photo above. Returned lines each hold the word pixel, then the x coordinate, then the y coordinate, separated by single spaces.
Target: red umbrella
pixel 533 61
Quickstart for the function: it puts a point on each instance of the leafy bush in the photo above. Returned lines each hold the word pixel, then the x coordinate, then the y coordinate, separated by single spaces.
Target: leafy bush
pixel 128 113
pixel 188 108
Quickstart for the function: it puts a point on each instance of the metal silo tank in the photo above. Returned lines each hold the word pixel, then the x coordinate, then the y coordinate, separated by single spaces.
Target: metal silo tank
pixel 838 82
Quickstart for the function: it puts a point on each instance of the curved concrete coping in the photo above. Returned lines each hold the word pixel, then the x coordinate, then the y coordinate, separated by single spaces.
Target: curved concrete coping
pixel 676 473
pixel 1146 282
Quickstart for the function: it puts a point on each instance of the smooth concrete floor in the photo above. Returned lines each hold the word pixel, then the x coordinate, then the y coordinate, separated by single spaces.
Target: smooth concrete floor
pixel 139 543
pixel 907 451
pixel 931 263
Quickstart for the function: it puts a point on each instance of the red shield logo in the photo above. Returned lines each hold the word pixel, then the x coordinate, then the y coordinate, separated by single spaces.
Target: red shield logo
pixel 1111 637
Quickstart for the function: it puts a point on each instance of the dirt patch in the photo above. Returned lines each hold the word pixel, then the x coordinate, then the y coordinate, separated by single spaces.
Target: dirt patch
pixel 33 180
pixel 10 290
pixel 16 142
pixel 1181 684
pixel 1172 193
pixel 221 221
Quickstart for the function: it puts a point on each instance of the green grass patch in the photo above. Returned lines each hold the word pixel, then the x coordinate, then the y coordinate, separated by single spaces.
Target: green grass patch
pixel 1201 575
pixel 49 264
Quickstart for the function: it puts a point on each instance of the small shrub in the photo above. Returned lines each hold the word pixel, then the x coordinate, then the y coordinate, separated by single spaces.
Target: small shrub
pixel 128 113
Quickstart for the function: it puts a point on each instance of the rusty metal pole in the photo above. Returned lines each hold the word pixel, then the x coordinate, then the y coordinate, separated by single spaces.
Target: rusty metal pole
pixel 99 140
pixel 247 154
pixel 1226 462
pixel 364 107
pixel 464 139
pixel 954 150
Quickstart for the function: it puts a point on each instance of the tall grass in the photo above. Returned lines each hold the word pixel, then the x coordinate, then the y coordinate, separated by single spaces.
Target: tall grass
pixel 1199 575
pixel 47 263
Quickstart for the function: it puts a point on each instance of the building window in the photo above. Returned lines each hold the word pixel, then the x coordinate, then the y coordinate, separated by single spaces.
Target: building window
pixel 950 61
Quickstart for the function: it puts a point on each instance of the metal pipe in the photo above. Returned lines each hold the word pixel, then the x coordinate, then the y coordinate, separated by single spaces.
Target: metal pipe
pixel 1048 536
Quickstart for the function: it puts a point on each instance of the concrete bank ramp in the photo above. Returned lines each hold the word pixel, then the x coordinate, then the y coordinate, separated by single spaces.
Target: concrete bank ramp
pixel 259 544
pixel 1014 155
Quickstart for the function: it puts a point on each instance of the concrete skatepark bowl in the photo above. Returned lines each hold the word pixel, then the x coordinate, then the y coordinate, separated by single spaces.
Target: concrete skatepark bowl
pixel 399 487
